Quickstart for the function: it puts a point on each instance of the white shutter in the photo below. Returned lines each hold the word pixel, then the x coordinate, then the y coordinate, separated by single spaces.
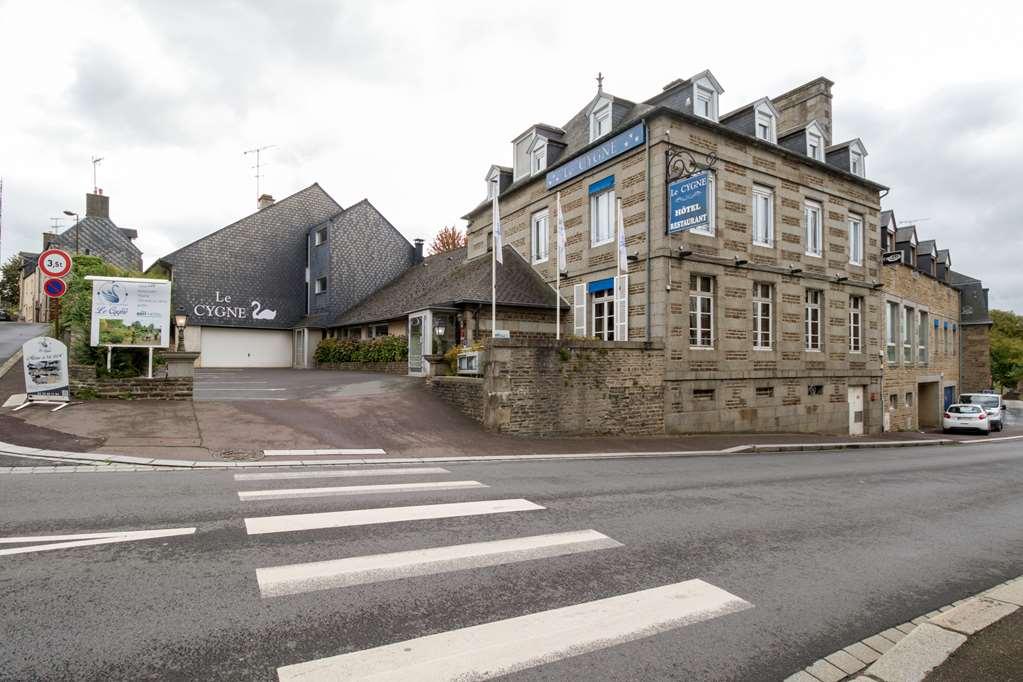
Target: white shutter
pixel 579 310
pixel 622 308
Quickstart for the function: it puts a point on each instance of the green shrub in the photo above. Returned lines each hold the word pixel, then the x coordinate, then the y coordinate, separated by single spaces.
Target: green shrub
pixel 380 349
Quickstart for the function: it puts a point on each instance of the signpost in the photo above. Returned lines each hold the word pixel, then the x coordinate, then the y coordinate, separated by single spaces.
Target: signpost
pixel 130 312
pixel 46 377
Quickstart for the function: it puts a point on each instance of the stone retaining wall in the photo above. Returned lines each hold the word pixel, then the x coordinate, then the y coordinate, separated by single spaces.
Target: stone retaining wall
pixel 463 393
pixel 400 367
pixel 86 385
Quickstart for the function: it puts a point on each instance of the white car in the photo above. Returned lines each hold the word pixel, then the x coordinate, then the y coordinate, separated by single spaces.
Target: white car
pixel 992 404
pixel 966 416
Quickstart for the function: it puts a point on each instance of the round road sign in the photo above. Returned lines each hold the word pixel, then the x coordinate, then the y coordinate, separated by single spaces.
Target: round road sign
pixel 54 262
pixel 54 288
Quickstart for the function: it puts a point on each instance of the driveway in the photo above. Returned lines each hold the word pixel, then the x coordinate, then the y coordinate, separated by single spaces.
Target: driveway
pixel 230 384
pixel 14 334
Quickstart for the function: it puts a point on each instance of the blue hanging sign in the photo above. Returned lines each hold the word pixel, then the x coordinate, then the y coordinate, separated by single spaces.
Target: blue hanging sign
pixel 687 203
pixel 616 146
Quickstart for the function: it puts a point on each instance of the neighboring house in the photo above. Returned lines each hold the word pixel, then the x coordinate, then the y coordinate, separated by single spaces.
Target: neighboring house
pixel 767 307
pixel 975 339
pixel 32 305
pixel 259 292
pixel 921 323
pixel 445 301
pixel 96 234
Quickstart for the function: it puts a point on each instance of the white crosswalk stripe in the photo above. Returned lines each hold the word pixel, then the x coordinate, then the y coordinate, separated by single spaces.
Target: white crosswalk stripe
pixel 86 539
pixel 290 493
pixel 362 517
pixel 354 452
pixel 322 575
pixel 343 473
pixel 505 646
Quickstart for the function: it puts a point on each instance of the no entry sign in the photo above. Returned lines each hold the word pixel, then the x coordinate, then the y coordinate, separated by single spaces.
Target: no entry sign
pixel 54 288
pixel 54 262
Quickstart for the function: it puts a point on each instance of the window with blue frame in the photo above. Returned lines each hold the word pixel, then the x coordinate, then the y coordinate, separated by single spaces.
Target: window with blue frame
pixel 602 210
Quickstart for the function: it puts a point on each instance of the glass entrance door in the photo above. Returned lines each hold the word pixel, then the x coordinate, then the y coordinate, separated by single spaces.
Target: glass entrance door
pixel 416 347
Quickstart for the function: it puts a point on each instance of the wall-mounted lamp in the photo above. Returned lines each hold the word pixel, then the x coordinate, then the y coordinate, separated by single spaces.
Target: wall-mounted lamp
pixel 740 261
pixel 632 257
pixel 683 252
pixel 841 278
pixel 794 271
pixel 180 319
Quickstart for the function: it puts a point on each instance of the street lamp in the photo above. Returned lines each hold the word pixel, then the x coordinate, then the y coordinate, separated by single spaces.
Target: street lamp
pixel 78 230
pixel 180 319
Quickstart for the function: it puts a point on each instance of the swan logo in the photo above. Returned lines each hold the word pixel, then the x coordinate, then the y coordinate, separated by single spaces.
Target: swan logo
pixel 111 292
pixel 261 313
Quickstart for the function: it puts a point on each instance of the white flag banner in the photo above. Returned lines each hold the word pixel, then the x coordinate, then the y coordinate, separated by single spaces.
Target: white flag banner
pixel 498 241
pixel 623 255
pixel 562 258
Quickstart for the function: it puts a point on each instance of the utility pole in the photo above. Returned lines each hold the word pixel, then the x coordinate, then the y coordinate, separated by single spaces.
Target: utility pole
pixel 257 151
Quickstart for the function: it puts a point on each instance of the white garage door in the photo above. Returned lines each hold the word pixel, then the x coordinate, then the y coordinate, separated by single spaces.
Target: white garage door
pixel 224 347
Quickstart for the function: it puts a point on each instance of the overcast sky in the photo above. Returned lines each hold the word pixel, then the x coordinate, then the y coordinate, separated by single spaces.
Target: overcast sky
pixel 408 104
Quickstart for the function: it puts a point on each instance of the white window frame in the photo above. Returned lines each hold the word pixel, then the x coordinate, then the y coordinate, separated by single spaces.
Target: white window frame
pixel 320 236
pixel 320 285
pixel 541 246
pixel 855 239
pixel 763 327
pixel 907 321
pixel 813 306
pixel 711 209
pixel 814 146
pixel 703 94
pixel 600 121
pixel 765 194
pixel 891 332
pixel 605 302
pixel 701 322
pixel 764 117
pixel 594 217
pixel 538 160
pixel 856 324
pixel 857 164
pixel 923 321
pixel 813 208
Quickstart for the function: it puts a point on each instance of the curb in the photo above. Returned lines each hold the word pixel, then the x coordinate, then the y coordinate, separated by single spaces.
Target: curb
pixel 100 459
pixel 912 650
pixel 10 362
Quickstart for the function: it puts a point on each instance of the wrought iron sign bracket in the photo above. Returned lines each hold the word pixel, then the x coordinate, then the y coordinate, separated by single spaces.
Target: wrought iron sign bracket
pixel 680 163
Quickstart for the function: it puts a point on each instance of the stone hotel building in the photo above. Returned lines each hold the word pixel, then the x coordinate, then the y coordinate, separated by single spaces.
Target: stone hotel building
pixel 765 312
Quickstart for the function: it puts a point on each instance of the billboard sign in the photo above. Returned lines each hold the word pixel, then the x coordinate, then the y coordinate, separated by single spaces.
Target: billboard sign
pixel 687 203
pixel 45 363
pixel 130 312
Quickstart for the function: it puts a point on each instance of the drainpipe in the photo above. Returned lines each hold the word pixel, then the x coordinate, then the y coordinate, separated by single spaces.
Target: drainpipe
pixel 646 145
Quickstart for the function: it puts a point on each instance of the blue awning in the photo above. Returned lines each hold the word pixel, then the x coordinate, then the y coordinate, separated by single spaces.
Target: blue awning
pixel 599 285
pixel 601 185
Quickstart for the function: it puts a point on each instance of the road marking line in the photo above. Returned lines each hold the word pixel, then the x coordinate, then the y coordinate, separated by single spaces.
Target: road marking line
pixel 323 575
pixel 251 390
pixel 506 646
pixel 86 539
pixel 288 493
pixel 991 440
pixel 365 517
pixel 281 475
pixel 335 451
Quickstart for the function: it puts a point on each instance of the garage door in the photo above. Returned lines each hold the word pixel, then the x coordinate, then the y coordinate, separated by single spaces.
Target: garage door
pixel 223 347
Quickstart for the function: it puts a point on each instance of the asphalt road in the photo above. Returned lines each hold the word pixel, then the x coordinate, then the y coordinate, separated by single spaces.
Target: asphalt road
pixel 829 548
pixel 14 334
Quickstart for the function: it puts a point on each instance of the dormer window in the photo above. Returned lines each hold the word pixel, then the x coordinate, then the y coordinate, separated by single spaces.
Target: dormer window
pixel 766 124
pixel 600 120
pixel 856 163
pixel 704 103
pixel 538 155
pixel 814 146
pixel 493 181
pixel 705 95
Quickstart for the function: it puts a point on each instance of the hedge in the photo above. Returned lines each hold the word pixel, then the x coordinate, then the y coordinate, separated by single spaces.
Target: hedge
pixel 380 349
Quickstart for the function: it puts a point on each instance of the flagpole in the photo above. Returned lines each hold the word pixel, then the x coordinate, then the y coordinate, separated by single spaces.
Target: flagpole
pixel 493 285
pixel 561 264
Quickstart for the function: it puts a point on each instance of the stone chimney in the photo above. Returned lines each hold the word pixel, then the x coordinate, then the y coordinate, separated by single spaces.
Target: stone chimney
pixel 801 105
pixel 264 201
pixel 97 205
pixel 418 243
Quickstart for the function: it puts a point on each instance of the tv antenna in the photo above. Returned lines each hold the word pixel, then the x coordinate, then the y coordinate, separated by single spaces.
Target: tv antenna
pixel 257 151
pixel 913 221
pixel 95 162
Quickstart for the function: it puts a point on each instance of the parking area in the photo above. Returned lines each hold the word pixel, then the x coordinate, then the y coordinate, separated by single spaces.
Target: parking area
pixel 232 384
pixel 1012 424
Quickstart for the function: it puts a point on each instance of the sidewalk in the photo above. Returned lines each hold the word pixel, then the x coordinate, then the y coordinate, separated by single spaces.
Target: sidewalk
pixel 994 655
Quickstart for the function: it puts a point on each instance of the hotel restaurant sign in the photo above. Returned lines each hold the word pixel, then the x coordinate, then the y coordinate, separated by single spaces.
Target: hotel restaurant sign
pixel 616 146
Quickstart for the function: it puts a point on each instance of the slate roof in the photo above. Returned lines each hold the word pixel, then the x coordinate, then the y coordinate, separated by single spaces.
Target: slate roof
pixel 973 299
pixel 927 246
pixel 448 279
pixel 101 237
pixel 29 262
pixel 887 218
pixel 904 234
pixel 944 256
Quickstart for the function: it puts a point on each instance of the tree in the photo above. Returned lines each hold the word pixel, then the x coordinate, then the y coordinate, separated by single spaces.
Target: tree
pixel 448 239
pixel 1006 348
pixel 10 283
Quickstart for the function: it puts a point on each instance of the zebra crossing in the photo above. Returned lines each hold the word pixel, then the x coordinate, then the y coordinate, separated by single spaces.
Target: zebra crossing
pixel 478 652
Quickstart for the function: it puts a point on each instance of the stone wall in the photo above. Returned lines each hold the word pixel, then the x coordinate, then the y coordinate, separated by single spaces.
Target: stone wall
pixel 463 393
pixel 976 358
pixel 574 387
pixel 85 385
pixel 399 367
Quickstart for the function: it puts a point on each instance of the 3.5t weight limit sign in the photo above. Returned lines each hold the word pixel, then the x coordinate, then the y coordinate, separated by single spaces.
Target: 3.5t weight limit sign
pixel 54 263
